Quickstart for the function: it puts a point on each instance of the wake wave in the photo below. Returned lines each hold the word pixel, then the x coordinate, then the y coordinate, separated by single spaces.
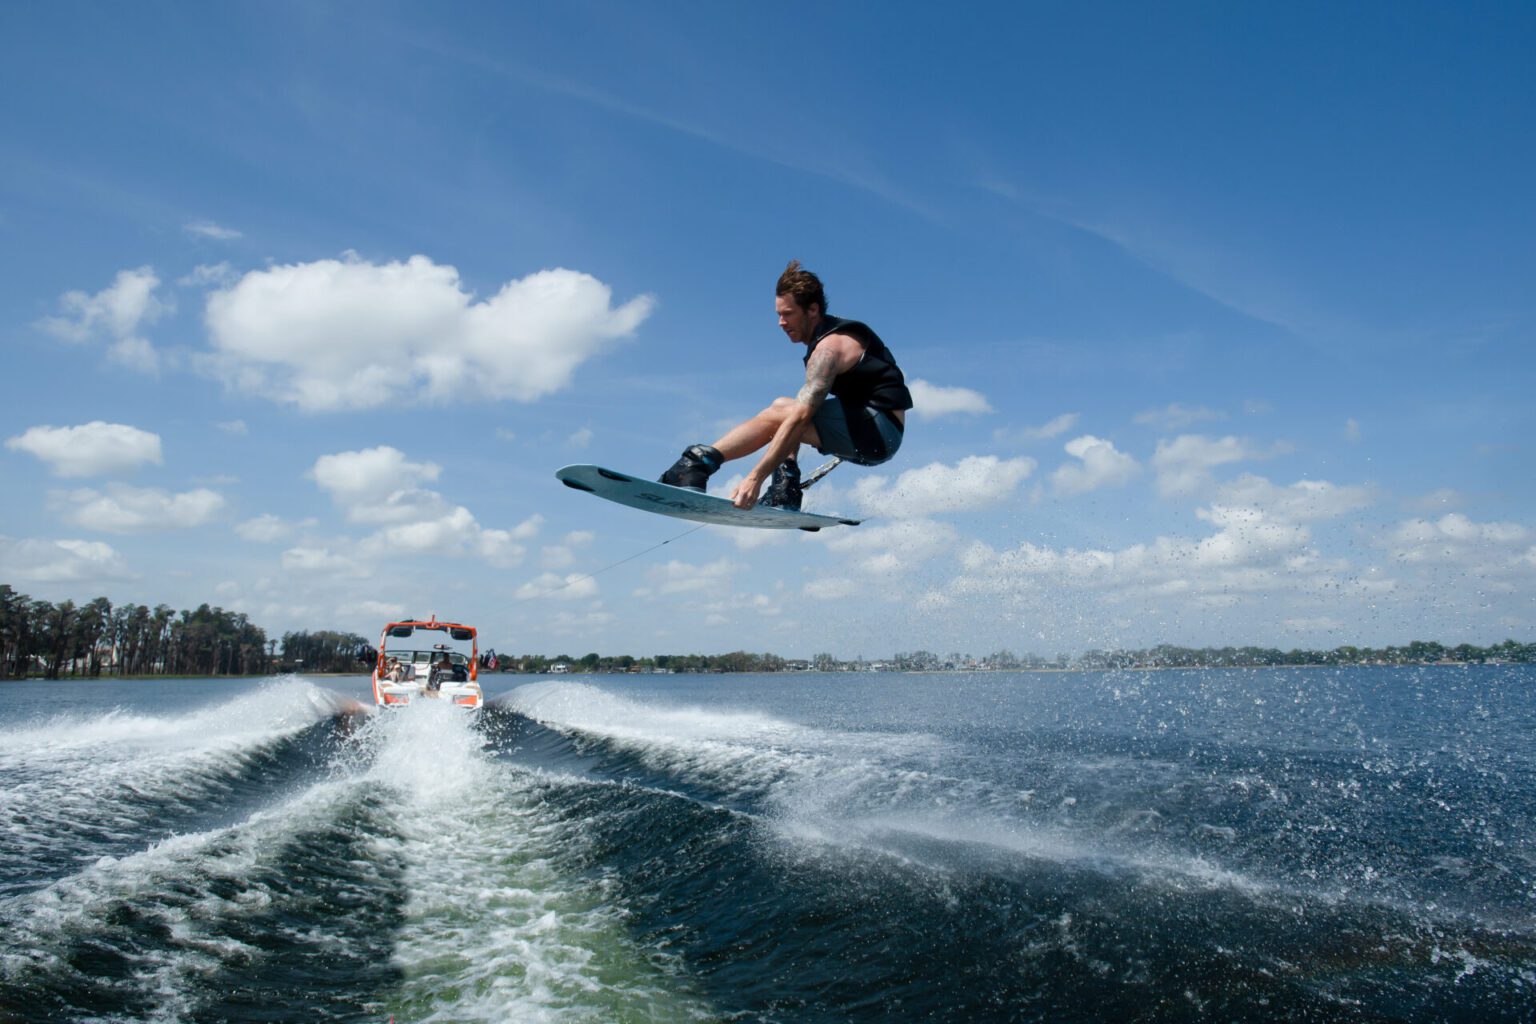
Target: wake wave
pixel 83 786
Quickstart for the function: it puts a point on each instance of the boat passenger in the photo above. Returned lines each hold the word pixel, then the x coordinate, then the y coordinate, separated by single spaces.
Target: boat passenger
pixel 441 669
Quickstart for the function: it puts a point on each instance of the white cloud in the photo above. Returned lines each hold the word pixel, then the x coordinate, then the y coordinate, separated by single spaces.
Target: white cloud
pixel 974 482
pixel 208 229
pixel 580 439
pixel 1054 427
pixel 350 334
pixel 1303 501
pixel 209 273
pixel 530 527
pixel 1244 555
pixel 682 577
pixel 1101 466
pixel 322 560
pixel 574 587
pixel 117 313
pixel 125 509
pixel 563 555
pixel 379 485
pixel 236 427
pixel 930 401
pixel 89 450
pixel 557 556
pixel 386 610
pixel 1456 539
pixel 1352 430
pixel 269 529
pixel 136 354
pixel 892 549
pixel 1184 464
pixel 60 561
pixel 1177 416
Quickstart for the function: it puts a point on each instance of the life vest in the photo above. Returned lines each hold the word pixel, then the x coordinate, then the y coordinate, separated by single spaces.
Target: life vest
pixel 876 381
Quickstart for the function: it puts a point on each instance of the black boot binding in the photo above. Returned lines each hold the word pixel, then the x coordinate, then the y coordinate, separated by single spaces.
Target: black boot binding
pixel 693 470
pixel 784 490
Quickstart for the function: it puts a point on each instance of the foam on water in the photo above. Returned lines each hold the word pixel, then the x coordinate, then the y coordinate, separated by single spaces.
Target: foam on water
pixel 282 706
pixel 171 914
pixel 744 754
pixel 492 931
pixel 77 784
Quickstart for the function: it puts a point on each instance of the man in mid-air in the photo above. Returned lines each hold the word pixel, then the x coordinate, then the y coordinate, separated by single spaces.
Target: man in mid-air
pixel 853 404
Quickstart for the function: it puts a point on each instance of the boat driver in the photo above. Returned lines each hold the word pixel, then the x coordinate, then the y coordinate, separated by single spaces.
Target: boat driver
pixel 853 404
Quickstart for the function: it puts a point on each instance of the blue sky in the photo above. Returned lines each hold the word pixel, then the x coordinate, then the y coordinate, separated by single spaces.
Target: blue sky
pixel 1221 316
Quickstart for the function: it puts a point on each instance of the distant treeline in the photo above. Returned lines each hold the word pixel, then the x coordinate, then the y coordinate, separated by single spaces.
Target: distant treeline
pixel 95 639
pixel 1419 652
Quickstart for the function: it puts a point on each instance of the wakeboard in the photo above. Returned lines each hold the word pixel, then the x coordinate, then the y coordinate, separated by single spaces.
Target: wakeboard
pixel 682 503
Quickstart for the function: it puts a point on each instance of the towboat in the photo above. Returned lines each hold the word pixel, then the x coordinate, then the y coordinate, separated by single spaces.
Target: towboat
pixel 427 661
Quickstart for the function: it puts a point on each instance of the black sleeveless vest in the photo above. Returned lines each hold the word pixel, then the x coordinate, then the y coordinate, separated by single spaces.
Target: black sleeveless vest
pixel 876 382
pixel 872 387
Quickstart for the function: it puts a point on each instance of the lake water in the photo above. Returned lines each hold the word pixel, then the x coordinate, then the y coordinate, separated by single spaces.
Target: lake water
pixel 1301 845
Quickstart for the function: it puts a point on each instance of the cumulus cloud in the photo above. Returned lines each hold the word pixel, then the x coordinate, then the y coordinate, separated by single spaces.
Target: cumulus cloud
pixel 125 509
pixel 1101 465
pixel 1242 556
pixel 117 313
pixel 453 534
pixel 887 550
pixel 60 561
pixel 1303 501
pixel 1456 539
pixel 1176 416
pixel 90 450
pixel 1184 465
pixel 930 401
pixel 351 334
pixel 974 482
pixel 380 486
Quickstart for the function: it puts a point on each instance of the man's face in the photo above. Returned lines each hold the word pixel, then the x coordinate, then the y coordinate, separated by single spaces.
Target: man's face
pixel 793 320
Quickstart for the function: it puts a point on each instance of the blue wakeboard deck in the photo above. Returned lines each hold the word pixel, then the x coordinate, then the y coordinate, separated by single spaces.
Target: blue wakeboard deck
pixel 682 503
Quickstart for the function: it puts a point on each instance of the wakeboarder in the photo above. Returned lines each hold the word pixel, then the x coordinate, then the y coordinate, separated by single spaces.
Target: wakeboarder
pixel 853 403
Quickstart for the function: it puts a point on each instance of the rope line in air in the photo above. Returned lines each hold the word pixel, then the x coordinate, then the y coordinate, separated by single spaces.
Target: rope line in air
pixel 615 565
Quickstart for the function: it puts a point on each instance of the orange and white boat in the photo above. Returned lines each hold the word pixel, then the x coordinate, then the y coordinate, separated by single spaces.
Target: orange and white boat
pixel 428 660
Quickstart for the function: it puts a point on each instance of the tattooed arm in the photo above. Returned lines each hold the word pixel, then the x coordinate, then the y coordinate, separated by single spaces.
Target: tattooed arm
pixel 835 354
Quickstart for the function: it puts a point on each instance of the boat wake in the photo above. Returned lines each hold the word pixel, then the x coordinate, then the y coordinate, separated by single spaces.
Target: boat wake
pixel 578 853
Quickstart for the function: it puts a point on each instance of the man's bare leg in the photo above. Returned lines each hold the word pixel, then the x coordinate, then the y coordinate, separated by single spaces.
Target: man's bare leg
pixel 754 434
pixel 699 462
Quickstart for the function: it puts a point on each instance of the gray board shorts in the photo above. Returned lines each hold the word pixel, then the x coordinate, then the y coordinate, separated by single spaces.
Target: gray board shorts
pixel 831 422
